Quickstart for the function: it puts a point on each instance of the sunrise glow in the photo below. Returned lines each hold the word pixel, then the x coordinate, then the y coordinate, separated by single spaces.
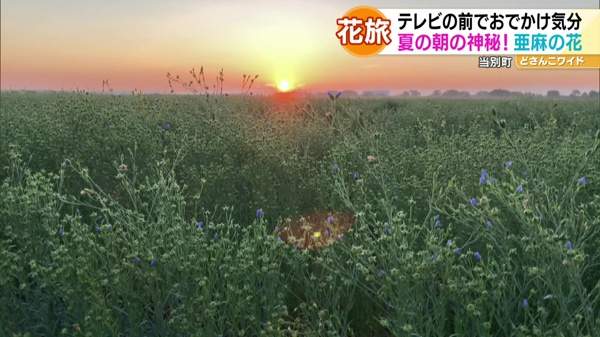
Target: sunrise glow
pixel 48 46
pixel 283 86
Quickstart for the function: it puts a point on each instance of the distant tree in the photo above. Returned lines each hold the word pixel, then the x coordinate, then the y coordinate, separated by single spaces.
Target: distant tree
pixel 453 93
pixel 349 93
pixel 415 93
pixel 575 93
pixel 376 93
pixel 553 93
pixel 405 94
pixel 450 93
pixel 500 93
pixel 593 94
pixel 436 93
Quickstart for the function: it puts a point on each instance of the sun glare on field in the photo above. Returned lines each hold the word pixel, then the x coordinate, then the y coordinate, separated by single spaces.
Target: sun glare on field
pixel 283 86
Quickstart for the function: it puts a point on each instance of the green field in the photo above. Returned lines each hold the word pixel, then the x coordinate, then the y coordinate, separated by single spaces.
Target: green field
pixel 158 215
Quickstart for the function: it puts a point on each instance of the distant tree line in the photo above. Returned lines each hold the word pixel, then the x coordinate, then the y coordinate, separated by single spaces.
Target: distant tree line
pixel 453 93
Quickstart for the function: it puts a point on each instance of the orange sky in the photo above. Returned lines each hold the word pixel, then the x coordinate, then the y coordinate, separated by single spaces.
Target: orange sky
pixel 66 44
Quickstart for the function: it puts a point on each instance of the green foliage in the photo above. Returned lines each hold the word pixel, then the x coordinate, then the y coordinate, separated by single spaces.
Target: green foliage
pixel 135 216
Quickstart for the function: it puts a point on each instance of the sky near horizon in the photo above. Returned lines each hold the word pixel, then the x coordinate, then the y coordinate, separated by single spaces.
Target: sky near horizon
pixel 64 44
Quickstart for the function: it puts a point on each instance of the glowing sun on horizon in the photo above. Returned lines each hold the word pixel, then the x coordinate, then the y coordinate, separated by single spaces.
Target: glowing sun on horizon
pixel 284 86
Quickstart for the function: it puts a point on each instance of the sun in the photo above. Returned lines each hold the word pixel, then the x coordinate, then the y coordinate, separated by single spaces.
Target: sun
pixel 283 86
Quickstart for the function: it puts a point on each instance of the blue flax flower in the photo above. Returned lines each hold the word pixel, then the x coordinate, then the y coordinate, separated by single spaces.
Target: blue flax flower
pixel 474 202
pixel 387 230
pixel 519 189
pixel 569 245
pixel 437 221
pixel 582 181
pixel 335 168
pixel 260 213
pixel 484 177
pixel 488 224
pixel 166 126
pixel 477 256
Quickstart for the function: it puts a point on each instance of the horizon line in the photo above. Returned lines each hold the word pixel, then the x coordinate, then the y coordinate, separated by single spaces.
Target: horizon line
pixel 414 93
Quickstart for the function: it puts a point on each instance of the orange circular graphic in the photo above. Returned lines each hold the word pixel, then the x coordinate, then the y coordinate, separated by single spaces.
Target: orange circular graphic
pixel 363 31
